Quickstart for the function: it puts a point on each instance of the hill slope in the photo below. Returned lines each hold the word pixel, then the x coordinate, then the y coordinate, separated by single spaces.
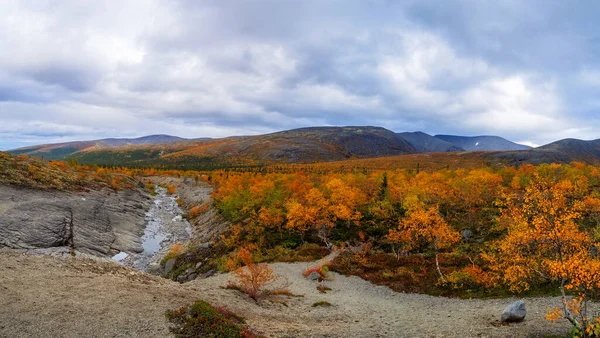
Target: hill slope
pixel 482 143
pixel 426 143
pixel 563 151
pixel 57 151
pixel 305 145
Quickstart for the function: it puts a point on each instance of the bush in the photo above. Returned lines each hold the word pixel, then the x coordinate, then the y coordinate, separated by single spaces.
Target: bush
pixel 321 269
pixel 251 278
pixel 203 320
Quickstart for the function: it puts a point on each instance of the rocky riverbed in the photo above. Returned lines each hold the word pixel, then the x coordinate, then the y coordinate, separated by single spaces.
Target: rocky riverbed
pixel 165 226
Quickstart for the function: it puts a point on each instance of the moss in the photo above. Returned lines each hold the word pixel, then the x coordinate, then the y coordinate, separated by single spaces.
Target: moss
pixel 203 320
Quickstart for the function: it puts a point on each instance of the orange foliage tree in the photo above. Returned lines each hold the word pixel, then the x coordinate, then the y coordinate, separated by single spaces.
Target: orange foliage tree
pixel 424 226
pixel 252 278
pixel 544 241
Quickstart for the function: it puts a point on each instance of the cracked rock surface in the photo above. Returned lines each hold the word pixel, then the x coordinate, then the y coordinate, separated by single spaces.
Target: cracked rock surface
pixel 101 222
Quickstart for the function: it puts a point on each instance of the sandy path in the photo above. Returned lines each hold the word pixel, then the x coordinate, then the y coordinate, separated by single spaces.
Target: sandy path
pixel 43 296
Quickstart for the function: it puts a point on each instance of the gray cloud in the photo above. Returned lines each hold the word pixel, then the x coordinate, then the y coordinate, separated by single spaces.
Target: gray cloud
pixel 70 70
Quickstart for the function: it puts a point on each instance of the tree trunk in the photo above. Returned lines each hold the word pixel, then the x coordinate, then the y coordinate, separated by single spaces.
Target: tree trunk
pixel 437 265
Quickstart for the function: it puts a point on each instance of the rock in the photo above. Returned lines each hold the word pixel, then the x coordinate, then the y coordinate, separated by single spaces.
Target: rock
pixel 153 268
pixel 192 277
pixel 314 276
pixel 103 221
pixel 466 234
pixel 205 245
pixel 208 274
pixel 515 312
pixel 198 265
pixel 169 265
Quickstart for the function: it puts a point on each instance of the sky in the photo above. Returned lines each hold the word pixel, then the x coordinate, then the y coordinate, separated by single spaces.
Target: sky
pixel 70 70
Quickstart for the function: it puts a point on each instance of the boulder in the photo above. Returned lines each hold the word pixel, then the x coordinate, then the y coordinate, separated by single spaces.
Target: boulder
pixel 153 268
pixel 205 245
pixel 169 265
pixel 515 312
pixel 314 276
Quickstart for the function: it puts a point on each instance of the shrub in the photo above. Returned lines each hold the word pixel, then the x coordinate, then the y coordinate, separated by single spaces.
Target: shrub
pixel 197 210
pixel 175 251
pixel 321 269
pixel 171 190
pixel 203 320
pixel 251 278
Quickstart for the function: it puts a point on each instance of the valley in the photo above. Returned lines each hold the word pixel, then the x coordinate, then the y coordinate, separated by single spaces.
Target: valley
pixel 419 244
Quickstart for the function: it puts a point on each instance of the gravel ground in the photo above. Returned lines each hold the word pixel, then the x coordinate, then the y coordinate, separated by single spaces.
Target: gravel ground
pixel 44 296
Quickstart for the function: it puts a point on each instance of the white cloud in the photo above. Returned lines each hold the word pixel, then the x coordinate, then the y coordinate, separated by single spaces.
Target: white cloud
pixel 109 68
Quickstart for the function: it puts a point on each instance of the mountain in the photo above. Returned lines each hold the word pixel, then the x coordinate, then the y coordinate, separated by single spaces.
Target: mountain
pixel 563 151
pixel 304 145
pixel 425 143
pixel 57 151
pixel 482 143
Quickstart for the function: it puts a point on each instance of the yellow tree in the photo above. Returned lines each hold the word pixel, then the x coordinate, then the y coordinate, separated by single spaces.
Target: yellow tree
pixel 545 242
pixel 310 213
pixel 424 226
pixel 344 201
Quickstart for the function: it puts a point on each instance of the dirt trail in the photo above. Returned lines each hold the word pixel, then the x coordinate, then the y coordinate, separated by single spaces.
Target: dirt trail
pixel 42 296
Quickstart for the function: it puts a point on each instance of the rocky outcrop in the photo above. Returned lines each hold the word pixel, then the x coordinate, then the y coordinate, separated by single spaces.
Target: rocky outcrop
pixel 96 222
pixel 515 312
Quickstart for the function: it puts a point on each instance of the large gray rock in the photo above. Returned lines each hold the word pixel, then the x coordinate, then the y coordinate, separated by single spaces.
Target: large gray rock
pixel 314 276
pixel 102 222
pixel 515 312
pixel 169 265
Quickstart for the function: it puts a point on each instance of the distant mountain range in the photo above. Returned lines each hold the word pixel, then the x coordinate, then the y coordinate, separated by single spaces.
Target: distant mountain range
pixel 481 143
pixel 304 145
pixel 425 143
pixel 61 150
pixel 563 151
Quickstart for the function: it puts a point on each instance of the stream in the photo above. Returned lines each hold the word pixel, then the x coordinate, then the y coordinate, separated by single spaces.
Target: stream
pixel 165 226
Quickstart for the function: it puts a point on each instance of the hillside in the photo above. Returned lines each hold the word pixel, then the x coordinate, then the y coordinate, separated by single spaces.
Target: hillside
pixel 314 145
pixel 426 143
pixel 32 172
pixel 482 143
pixel 61 150
pixel 305 145
pixel 563 151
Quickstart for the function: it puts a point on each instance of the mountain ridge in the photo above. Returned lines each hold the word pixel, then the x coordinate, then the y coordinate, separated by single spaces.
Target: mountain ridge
pixel 303 145
pixel 482 143
pixel 426 143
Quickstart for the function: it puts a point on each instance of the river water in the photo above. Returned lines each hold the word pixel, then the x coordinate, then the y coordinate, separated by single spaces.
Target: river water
pixel 165 226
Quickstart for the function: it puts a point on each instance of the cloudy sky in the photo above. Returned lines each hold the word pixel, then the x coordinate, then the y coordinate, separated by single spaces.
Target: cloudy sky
pixel 73 69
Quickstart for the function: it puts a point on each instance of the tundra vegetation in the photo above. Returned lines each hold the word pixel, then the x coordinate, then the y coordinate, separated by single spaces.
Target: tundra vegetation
pixel 481 232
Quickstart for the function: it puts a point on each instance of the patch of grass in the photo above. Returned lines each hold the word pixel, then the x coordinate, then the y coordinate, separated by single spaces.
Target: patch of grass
pixel 322 304
pixel 203 320
pixel 151 189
